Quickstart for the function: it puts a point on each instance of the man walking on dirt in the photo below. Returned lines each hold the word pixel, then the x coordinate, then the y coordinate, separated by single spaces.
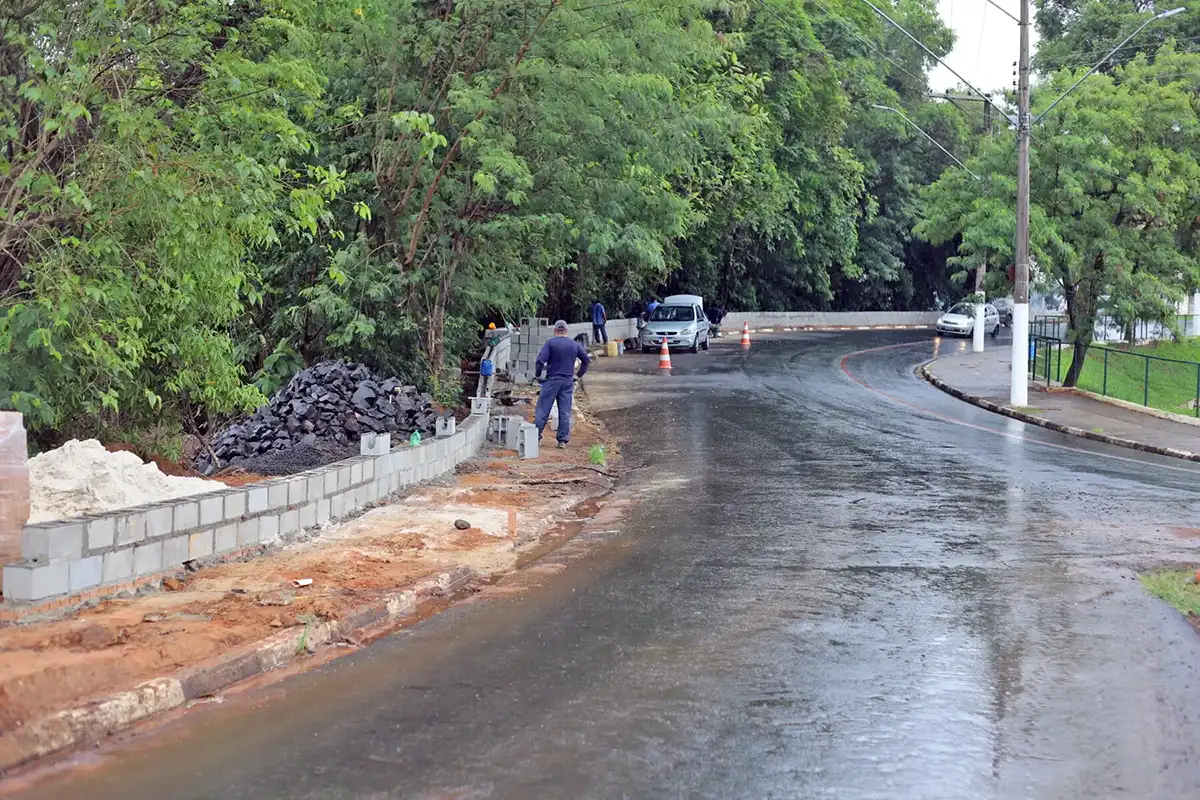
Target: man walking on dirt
pixel 558 360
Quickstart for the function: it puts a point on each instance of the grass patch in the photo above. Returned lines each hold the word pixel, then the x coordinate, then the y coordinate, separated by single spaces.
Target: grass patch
pixel 1172 385
pixel 1172 586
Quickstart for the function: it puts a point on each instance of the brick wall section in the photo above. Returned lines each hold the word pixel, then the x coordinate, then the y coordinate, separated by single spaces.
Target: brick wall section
pixel 79 556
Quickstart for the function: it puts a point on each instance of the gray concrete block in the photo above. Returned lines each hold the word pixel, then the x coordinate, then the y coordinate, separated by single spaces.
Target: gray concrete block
pixel 201 544
pixel 85 573
pixel 160 521
pixel 235 505
pixel 297 491
pixel 54 541
pixel 225 538
pixel 268 527
pixel 257 500
pixel 381 487
pixel 368 469
pixel 175 551
pixel 101 533
pixel 187 516
pixel 249 531
pixel 337 506
pixel 118 565
pixel 316 487
pixel 367 443
pixel 29 581
pixel 131 528
pixel 343 474
pixel 148 558
pixel 277 495
pixel 212 509
pixel 289 521
pixel 308 515
pixel 323 510
pixel 356 474
pixel 331 482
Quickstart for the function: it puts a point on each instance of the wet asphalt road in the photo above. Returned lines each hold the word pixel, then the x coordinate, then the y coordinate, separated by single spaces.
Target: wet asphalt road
pixel 832 583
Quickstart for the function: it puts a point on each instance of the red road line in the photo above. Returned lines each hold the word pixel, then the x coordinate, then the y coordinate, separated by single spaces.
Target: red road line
pixel 984 428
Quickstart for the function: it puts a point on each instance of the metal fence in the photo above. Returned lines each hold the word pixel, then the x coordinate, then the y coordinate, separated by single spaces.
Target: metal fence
pixel 1054 326
pixel 1168 384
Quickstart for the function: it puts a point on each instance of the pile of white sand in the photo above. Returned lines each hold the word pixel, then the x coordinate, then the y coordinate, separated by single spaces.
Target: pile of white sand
pixel 84 478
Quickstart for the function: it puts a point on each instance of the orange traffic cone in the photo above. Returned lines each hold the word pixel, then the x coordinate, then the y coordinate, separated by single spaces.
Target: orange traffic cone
pixel 745 335
pixel 664 357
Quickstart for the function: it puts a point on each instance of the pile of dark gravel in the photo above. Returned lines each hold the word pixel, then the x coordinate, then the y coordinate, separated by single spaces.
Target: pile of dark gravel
pixel 318 418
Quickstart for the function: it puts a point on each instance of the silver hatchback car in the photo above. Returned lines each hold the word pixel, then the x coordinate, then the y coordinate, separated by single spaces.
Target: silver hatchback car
pixel 960 320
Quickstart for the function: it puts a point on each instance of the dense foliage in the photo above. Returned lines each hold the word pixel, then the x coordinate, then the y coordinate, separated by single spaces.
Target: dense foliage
pixel 197 197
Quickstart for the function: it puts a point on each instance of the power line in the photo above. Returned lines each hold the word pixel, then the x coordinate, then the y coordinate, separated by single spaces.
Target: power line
pixel 853 32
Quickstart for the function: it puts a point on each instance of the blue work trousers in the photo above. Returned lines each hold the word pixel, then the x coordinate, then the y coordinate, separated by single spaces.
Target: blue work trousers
pixel 555 390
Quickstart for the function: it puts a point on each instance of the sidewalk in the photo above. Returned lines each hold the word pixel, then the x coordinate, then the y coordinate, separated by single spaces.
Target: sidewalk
pixel 983 379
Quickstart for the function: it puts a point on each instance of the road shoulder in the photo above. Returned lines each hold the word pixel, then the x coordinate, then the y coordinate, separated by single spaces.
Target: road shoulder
pixel 75 678
pixel 982 380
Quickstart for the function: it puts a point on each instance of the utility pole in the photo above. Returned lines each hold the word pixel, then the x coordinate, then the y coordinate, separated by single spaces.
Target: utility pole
pixel 1019 382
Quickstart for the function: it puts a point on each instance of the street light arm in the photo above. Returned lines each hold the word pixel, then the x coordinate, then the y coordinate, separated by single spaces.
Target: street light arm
pixel 927 136
pixel 1101 62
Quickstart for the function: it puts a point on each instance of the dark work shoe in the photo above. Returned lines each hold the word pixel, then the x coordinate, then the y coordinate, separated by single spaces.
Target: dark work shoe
pixel 562 445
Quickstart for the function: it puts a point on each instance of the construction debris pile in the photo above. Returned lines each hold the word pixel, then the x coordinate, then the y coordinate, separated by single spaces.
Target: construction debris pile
pixel 318 418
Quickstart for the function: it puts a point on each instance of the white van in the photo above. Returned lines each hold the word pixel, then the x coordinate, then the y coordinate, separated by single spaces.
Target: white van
pixel 681 320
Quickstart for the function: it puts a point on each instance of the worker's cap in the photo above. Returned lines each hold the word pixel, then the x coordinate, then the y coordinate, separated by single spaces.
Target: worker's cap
pixel 560 326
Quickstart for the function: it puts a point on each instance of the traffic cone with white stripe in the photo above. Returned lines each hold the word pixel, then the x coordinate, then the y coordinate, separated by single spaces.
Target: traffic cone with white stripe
pixel 745 335
pixel 664 357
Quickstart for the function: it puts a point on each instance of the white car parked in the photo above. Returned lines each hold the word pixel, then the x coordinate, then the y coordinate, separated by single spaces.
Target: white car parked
pixel 960 320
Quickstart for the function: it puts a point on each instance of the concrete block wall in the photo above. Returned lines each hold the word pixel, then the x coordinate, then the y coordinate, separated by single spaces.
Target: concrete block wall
pixel 80 555
pixel 827 319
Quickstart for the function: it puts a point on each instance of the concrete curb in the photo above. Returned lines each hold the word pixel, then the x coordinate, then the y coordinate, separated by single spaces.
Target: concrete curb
pixel 97 719
pixel 1033 419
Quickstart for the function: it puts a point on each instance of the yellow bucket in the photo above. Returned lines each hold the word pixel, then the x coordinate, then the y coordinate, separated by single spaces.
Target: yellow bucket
pixel 610 349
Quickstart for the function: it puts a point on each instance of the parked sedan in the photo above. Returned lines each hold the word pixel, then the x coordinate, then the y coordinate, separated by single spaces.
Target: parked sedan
pixel 960 320
pixel 1004 309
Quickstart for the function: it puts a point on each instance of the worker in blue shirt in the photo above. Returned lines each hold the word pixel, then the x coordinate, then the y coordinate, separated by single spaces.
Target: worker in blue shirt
pixel 599 318
pixel 558 358
pixel 653 304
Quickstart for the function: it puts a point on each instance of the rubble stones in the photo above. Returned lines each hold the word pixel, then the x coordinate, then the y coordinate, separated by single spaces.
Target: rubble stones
pixel 318 418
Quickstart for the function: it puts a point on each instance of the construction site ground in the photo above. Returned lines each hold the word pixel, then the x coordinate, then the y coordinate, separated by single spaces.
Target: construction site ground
pixel 50 665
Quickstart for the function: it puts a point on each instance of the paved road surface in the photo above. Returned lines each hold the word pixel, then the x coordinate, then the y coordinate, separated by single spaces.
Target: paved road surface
pixel 828 587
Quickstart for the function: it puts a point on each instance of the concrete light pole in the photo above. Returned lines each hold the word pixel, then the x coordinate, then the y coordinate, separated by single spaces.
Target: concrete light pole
pixel 1019 383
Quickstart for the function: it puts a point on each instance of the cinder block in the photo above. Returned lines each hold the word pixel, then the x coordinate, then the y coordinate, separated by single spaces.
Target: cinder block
pixel 85 573
pixel 29 581
pixel 225 538
pixel 343 474
pixel 249 531
pixel 160 521
pixel 54 541
pixel 323 511
pixel 308 515
pixel 235 505
pixel 381 487
pixel 277 495
pixel 131 528
pixel 367 443
pixel 368 469
pixel 337 506
pixel 268 527
pixel 175 551
pixel 201 544
pixel 148 558
pixel 383 465
pixel 212 509
pixel 289 522
pixel 118 566
pixel 258 500
pixel 297 491
pixel 101 533
pixel 356 474
pixel 187 516
pixel 316 487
